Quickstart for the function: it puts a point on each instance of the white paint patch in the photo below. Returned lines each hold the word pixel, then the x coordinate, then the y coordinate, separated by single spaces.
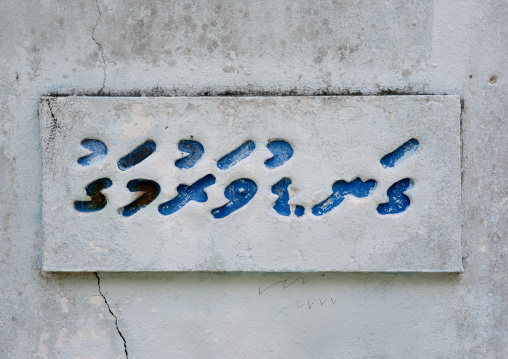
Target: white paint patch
pixel 96 300
pixel 63 305
pixel 136 124
pixel 42 349
pixel 97 249
pixel 86 334
pixel 62 333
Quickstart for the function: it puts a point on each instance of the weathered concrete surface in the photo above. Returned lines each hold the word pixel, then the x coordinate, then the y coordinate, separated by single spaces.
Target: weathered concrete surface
pixel 455 47
pixel 331 138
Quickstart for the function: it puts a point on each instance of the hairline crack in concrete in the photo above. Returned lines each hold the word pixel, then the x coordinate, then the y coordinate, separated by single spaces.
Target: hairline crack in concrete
pixel 113 314
pixel 100 46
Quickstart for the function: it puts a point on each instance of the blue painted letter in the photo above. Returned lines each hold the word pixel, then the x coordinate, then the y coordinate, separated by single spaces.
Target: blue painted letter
pixel 196 151
pixel 239 193
pixel 282 152
pixel 397 201
pixel 98 200
pixel 282 206
pixel 151 190
pixel 341 189
pixel 194 192
pixel 98 149
pixel 138 155
pixel 400 154
pixel 236 155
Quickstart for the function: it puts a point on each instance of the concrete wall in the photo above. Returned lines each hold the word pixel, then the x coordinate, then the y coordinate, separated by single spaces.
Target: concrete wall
pixel 258 47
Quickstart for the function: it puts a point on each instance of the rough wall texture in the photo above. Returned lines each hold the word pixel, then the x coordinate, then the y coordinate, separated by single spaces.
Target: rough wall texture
pixel 259 47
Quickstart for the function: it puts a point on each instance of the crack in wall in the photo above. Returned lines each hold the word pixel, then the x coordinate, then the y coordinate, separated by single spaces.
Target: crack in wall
pixel 100 46
pixel 113 314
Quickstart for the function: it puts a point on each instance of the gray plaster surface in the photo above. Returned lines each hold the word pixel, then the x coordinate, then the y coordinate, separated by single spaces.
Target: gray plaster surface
pixel 188 48
pixel 331 139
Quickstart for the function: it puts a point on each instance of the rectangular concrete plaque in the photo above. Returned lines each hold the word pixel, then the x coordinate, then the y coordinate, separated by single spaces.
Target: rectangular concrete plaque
pixel 363 183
